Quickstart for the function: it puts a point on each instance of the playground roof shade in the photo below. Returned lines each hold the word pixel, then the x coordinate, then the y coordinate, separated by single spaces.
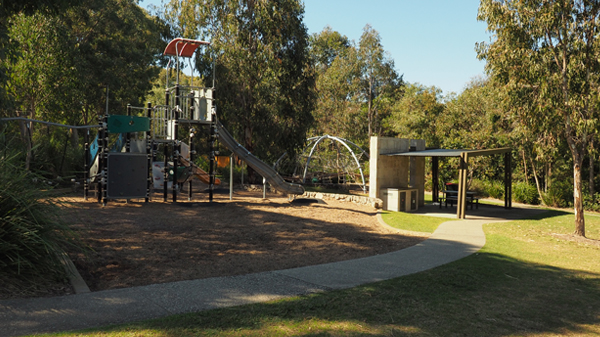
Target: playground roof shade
pixel 449 152
pixel 185 47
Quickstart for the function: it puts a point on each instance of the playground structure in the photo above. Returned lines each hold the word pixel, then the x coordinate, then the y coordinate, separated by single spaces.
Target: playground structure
pixel 121 161
pixel 191 105
pixel 334 162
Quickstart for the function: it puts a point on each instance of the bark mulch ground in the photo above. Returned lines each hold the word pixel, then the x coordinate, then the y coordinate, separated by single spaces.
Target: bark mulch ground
pixel 135 244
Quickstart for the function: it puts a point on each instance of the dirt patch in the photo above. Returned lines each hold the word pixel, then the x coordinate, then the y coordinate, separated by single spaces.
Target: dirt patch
pixel 578 239
pixel 136 244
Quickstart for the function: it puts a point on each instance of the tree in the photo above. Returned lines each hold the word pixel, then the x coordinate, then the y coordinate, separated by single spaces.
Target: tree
pixel 65 62
pixel 264 77
pixel 380 82
pixel 546 54
pixel 8 51
pixel 416 115
pixel 338 108
pixel 357 86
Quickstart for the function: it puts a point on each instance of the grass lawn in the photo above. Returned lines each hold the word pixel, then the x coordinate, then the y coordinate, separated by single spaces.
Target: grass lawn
pixel 412 222
pixel 526 281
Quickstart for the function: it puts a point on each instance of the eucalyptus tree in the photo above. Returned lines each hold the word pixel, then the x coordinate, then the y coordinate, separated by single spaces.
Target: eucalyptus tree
pixel 380 83
pixel 66 61
pixel 264 77
pixel 417 114
pixel 8 47
pixel 338 107
pixel 546 53
pixel 357 85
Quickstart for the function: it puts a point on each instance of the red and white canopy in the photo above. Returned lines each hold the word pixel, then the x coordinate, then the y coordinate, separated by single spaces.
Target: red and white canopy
pixel 183 47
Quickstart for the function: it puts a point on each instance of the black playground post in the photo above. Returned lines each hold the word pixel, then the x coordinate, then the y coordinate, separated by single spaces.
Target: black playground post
pixel 128 135
pixel 166 171
pixel 166 150
pixel 175 145
pixel 86 170
pixel 191 145
pixel 99 154
pixel 149 151
pixel 104 166
pixel 211 169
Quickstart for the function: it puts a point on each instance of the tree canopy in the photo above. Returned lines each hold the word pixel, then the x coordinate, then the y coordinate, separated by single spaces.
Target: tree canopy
pixel 546 54
pixel 264 76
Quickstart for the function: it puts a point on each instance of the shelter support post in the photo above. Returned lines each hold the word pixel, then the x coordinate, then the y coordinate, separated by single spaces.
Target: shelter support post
pixel 462 186
pixel 435 165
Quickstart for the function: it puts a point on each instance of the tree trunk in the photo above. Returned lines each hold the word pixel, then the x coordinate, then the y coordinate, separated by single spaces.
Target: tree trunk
pixel 577 194
pixel 27 137
pixel 525 165
pixel 537 181
pixel 591 154
pixel 548 176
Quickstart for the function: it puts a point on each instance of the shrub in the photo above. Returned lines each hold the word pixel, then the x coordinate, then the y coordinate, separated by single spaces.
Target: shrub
pixel 591 203
pixel 32 237
pixel 559 194
pixel 525 193
pixel 487 188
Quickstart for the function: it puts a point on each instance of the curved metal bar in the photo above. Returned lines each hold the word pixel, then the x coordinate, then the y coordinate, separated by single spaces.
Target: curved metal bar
pixel 310 156
pixel 355 159
pixel 341 141
pixel 279 160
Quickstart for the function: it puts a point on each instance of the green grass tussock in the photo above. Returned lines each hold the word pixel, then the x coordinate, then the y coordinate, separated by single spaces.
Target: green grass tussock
pixel 32 237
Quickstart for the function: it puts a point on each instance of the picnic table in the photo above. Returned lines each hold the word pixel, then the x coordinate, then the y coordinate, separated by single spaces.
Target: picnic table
pixel 451 197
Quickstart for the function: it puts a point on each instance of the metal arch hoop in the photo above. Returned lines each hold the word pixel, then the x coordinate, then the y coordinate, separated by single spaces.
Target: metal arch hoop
pixel 341 141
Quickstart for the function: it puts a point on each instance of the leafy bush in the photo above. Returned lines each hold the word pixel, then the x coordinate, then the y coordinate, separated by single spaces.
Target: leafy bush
pixel 559 194
pixel 525 193
pixel 32 237
pixel 591 203
pixel 488 188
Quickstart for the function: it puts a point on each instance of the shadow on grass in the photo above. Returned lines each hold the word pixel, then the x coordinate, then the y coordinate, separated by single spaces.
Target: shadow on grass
pixel 482 295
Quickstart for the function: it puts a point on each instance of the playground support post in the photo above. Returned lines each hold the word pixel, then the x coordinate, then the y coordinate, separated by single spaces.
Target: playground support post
pixel 104 166
pixel 165 171
pixel 165 151
pixel 211 167
pixel 127 134
pixel 149 146
pixel 191 145
pixel 231 176
pixel 86 170
pixel 175 141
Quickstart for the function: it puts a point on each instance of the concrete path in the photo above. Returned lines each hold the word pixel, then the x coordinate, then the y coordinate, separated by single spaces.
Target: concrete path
pixel 452 240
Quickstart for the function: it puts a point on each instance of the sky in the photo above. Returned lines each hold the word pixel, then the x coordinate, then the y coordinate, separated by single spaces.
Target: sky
pixel 432 42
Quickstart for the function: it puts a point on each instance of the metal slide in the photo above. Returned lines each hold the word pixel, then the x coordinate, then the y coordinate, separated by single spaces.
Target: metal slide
pixel 259 166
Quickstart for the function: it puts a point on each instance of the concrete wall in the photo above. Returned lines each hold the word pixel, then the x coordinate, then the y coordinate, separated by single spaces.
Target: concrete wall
pixel 395 171
pixel 387 171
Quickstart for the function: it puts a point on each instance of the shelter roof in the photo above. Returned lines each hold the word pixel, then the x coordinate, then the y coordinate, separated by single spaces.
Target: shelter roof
pixel 183 47
pixel 449 152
